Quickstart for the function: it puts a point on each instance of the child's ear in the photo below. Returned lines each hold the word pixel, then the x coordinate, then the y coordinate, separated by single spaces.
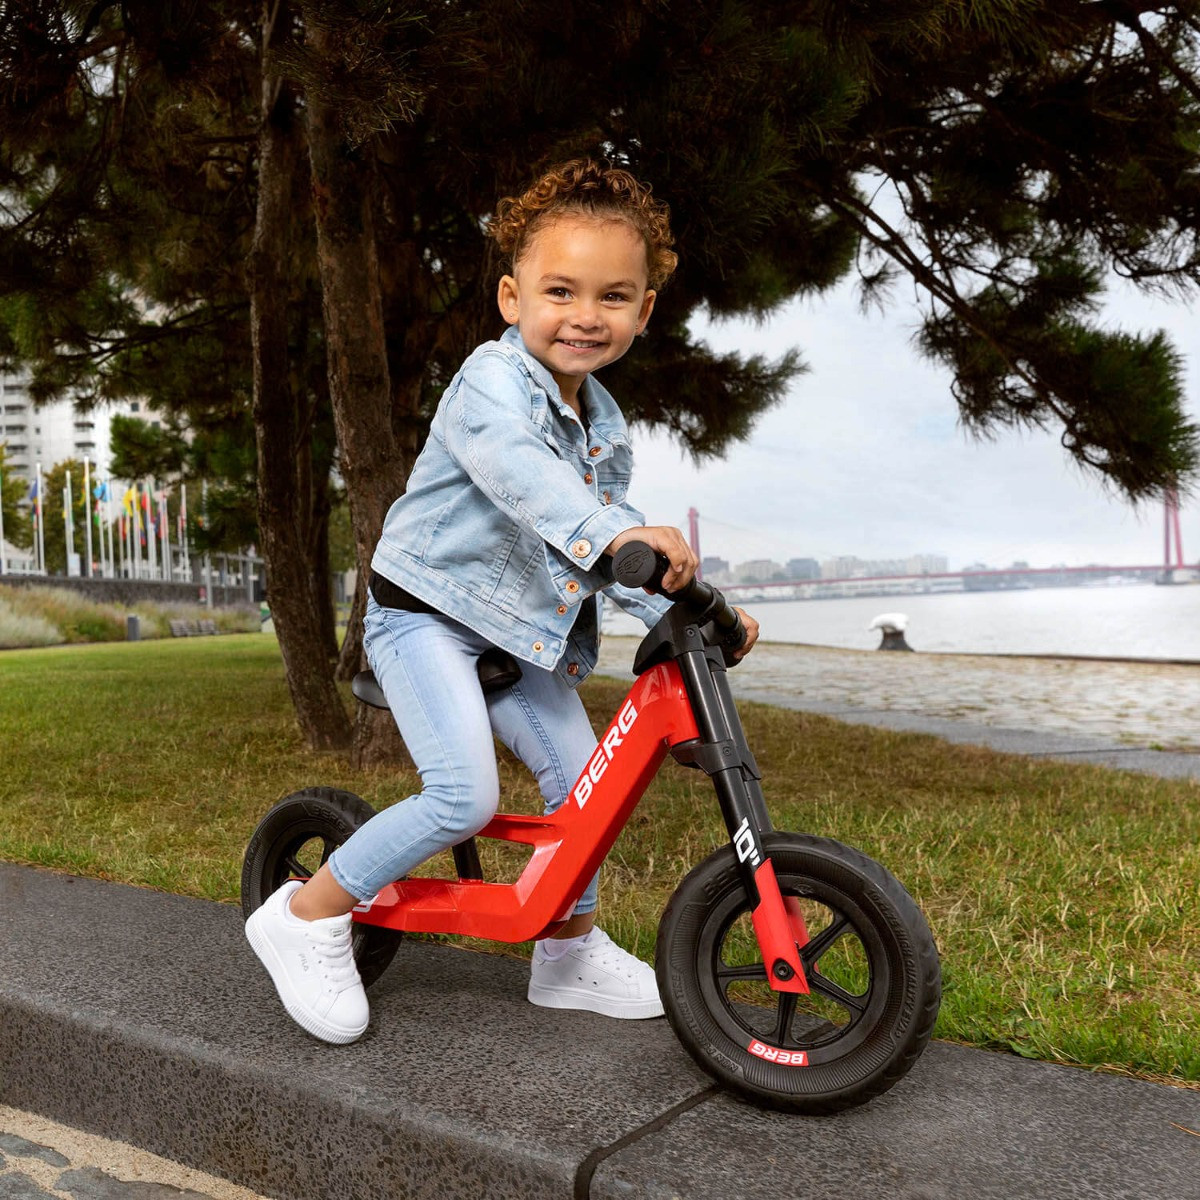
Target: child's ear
pixel 508 300
pixel 647 308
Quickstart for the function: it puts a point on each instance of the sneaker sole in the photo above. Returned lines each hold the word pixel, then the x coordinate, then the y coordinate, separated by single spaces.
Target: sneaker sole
pixel 576 998
pixel 338 1036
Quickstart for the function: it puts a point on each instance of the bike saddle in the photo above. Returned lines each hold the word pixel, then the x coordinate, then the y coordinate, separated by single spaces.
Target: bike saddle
pixel 497 670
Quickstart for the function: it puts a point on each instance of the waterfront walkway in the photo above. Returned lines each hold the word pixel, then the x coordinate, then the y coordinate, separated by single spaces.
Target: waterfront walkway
pixel 1131 714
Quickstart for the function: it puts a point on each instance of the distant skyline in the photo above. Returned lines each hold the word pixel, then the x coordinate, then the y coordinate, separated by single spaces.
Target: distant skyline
pixel 865 457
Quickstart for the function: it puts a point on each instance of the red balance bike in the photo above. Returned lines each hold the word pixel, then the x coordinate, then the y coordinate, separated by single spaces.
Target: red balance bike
pixel 794 969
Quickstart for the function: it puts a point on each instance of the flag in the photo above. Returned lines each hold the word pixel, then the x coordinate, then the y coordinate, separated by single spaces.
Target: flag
pixel 32 491
pixel 128 501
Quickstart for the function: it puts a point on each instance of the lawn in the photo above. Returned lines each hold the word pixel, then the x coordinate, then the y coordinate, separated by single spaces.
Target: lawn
pixel 1063 898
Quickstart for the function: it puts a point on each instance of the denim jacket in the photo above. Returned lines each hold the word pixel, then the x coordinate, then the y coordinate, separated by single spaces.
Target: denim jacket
pixel 509 507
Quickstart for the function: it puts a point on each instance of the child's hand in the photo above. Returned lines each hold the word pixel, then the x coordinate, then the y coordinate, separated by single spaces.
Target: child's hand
pixel 751 632
pixel 666 539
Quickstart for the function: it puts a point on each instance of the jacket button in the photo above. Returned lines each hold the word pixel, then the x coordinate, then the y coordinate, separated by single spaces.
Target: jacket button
pixel 572 668
pixel 538 647
pixel 561 610
pixel 582 548
pixel 594 451
pixel 572 586
pixel 588 477
pixel 607 498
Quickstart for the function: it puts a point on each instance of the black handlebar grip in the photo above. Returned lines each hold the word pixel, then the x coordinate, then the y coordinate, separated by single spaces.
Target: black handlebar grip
pixel 636 565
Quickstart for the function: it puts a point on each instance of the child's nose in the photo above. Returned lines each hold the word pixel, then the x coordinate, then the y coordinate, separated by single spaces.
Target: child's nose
pixel 586 313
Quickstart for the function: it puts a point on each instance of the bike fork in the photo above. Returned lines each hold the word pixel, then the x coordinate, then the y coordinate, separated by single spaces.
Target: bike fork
pixel 723 754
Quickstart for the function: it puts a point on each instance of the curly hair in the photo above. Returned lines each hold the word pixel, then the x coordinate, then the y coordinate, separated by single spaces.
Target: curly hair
pixel 584 186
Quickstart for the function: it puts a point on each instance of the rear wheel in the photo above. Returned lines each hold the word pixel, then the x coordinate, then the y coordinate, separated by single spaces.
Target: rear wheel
pixel 870 963
pixel 297 837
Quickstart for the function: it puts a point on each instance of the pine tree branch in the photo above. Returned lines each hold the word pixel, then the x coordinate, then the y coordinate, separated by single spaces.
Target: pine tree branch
pixel 1153 49
pixel 875 229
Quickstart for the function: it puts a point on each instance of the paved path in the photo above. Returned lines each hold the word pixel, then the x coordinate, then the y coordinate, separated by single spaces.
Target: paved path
pixel 159 1052
pixel 144 1017
pixel 41 1159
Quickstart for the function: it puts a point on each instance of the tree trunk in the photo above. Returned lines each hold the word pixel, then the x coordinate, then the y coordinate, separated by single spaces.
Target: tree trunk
pixel 318 565
pixel 351 657
pixel 283 506
pixel 359 384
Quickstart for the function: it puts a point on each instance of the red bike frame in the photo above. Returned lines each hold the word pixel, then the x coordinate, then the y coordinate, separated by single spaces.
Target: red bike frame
pixel 681 706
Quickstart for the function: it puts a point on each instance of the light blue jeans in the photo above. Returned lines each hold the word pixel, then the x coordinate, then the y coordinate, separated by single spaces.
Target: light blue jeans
pixel 426 667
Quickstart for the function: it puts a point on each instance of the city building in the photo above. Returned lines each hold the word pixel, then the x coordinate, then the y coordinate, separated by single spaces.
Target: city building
pixel 758 570
pixel 803 568
pixel 926 564
pixel 55 432
pixel 51 434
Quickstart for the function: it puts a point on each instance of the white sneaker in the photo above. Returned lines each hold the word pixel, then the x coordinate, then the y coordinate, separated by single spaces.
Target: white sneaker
pixel 312 967
pixel 598 976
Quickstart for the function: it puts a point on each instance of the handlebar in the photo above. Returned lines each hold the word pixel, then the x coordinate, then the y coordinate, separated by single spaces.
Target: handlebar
pixel 636 565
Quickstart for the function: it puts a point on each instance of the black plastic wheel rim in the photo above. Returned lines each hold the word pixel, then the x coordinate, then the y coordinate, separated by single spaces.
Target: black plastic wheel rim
pixel 288 859
pixel 829 1023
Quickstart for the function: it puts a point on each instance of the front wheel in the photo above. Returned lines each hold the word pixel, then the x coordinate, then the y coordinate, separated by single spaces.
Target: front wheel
pixel 295 838
pixel 870 962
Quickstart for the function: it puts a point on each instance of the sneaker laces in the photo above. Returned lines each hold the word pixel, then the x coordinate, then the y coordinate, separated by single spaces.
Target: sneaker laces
pixel 604 952
pixel 334 950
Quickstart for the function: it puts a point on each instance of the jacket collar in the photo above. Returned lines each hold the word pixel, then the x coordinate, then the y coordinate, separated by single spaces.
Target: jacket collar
pixel 604 414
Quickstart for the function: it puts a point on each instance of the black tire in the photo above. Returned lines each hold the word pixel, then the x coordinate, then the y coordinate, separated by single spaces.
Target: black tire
pixel 870 960
pixel 293 840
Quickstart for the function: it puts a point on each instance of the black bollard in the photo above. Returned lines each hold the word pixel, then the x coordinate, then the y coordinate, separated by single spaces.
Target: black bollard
pixel 893 639
pixel 892 626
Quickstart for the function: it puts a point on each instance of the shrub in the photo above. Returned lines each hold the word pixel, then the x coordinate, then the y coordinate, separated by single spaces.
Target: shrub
pixel 24 629
pixel 39 616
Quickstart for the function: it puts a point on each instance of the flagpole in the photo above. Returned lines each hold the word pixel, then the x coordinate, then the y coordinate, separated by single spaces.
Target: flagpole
pixel 106 529
pixel 68 524
pixel 184 560
pixel 3 562
pixel 87 520
pixel 151 539
pixel 165 531
pixel 208 596
pixel 41 536
pixel 135 542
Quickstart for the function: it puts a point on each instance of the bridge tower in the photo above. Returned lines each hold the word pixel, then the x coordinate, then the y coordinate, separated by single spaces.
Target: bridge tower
pixel 694 535
pixel 1172 537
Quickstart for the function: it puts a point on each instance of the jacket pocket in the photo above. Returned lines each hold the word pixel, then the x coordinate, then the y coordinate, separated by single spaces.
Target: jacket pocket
pixel 614 473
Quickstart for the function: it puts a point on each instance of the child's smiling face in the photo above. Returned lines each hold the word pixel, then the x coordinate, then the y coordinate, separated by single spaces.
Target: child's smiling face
pixel 579 296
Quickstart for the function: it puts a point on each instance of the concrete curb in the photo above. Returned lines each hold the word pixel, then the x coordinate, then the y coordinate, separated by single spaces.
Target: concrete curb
pixel 144 1017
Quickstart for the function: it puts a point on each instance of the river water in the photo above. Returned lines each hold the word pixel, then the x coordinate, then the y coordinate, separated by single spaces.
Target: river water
pixel 1132 621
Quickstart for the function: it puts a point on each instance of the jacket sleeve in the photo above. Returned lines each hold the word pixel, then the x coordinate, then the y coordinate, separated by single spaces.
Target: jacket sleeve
pixel 491 432
pixel 648 609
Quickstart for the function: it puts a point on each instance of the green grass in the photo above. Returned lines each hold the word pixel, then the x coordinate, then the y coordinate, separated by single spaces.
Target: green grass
pixel 1064 898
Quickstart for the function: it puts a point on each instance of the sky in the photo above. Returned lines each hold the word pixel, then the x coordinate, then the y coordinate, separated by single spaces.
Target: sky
pixel 865 457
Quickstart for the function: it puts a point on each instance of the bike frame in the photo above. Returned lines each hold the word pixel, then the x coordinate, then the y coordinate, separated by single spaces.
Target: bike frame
pixel 681 704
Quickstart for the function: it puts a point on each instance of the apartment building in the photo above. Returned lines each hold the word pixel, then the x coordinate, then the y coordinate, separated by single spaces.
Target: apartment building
pixel 55 432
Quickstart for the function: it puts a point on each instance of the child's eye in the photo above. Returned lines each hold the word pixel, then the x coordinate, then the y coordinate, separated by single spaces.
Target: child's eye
pixel 559 293
pixel 616 298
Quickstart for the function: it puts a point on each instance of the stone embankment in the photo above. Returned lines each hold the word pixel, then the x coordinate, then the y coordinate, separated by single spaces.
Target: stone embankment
pixel 1130 703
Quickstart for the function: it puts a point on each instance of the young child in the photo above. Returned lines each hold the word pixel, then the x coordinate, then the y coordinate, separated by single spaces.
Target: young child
pixel 518 495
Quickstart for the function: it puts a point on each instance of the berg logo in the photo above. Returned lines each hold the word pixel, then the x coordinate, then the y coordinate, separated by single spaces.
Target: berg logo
pixel 599 761
pixel 785 1058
